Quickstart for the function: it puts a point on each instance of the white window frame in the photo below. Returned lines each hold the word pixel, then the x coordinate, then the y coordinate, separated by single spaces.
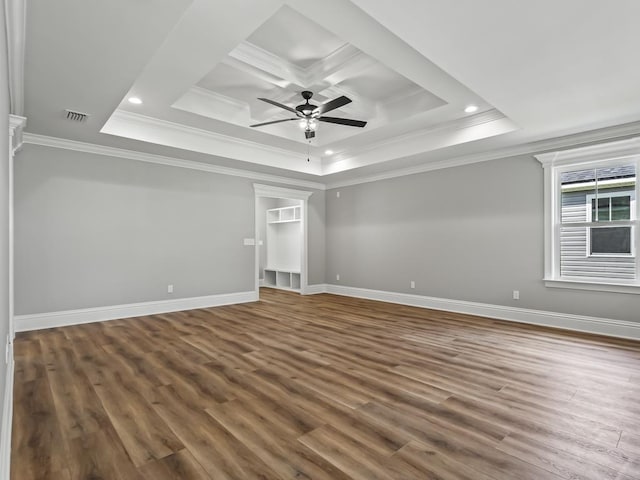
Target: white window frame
pixel 632 214
pixel 593 156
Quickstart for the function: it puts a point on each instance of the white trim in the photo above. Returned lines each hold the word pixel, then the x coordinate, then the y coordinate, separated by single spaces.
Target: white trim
pixel 159 123
pixel 565 321
pixel 35 139
pixel 525 149
pixel 506 152
pixel 556 163
pixel 7 420
pixel 16 17
pixel 590 223
pixel 279 192
pixel 592 285
pixel 315 289
pixel 16 125
pixel 422 141
pixel 592 153
pixel 124 123
pixel 38 321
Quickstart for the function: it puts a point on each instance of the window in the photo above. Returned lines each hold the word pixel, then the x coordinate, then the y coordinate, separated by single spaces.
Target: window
pixel 591 218
pixel 608 206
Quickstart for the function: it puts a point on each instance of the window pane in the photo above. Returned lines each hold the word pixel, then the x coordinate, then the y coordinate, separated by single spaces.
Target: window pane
pixel 597 195
pixel 577 261
pixel 611 240
pixel 603 210
pixel 621 208
pixel 575 186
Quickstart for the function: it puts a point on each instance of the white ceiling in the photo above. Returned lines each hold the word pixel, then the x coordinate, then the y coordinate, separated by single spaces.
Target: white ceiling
pixel 536 70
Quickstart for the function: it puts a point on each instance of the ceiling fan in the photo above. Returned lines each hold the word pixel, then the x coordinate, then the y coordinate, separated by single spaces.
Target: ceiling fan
pixel 309 114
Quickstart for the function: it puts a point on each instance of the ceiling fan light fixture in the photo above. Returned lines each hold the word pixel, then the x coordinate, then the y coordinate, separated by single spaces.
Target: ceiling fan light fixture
pixel 308 124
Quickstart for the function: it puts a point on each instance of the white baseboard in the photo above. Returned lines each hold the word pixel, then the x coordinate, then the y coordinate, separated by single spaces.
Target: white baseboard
pixel 580 323
pixel 39 321
pixel 315 289
pixel 7 419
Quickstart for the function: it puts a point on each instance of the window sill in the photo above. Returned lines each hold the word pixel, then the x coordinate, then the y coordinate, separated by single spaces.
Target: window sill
pixel 593 285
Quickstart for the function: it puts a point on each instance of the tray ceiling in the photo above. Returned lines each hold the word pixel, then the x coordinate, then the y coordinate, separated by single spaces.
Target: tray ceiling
pixel 410 67
pixel 283 49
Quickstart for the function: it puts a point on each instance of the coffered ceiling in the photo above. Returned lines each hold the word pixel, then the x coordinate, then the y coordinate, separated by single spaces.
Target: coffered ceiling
pixel 411 67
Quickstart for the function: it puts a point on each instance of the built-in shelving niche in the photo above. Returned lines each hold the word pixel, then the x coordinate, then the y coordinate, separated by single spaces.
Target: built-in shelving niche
pixel 284 243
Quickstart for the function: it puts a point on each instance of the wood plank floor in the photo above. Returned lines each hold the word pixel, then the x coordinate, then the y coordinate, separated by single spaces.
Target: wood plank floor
pixel 323 387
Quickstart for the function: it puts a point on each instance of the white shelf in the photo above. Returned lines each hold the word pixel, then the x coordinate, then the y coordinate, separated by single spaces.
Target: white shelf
pixel 282 278
pixel 284 221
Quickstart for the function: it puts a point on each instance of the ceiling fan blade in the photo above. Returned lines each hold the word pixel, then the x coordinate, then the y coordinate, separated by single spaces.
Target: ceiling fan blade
pixel 343 121
pixel 272 122
pixel 308 134
pixel 273 102
pixel 332 105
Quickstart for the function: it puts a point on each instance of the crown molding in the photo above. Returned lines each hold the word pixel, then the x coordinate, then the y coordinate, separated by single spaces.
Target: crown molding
pixel 15 11
pixel 421 141
pixel 279 192
pixel 207 134
pixel 609 133
pixel 163 132
pixel 452 125
pixel 592 153
pixel 42 140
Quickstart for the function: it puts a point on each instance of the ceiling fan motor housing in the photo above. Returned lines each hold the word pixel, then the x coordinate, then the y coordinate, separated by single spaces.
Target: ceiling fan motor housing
pixel 306 109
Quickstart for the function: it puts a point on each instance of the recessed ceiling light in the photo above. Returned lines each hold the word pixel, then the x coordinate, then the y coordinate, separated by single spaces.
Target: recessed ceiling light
pixel 471 108
pixel 135 100
pixel 328 152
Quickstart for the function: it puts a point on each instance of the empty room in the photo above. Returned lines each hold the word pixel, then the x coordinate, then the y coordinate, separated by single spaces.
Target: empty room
pixel 322 240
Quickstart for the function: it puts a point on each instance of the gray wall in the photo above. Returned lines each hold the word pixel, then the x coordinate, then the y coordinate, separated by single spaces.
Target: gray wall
pixel 94 231
pixel 4 206
pixel 468 233
pixel 316 241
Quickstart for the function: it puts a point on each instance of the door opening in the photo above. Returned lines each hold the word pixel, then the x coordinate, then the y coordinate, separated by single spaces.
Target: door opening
pixel 281 238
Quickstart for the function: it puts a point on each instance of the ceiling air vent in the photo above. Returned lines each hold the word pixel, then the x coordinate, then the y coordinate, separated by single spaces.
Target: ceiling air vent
pixel 76 116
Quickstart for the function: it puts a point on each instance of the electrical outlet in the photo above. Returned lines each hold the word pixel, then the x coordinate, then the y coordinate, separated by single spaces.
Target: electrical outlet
pixel 338 277
pixel 337 194
pixel 169 288
pixel 413 284
pixel 516 294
